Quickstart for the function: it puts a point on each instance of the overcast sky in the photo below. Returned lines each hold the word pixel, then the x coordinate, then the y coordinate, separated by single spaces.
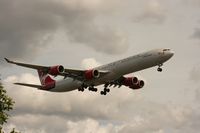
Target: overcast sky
pixel 85 33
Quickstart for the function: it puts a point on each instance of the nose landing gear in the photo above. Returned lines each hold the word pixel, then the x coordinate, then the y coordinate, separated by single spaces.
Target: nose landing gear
pixel 159 69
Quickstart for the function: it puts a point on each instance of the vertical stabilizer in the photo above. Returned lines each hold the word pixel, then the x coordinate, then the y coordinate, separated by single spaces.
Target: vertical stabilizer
pixel 46 80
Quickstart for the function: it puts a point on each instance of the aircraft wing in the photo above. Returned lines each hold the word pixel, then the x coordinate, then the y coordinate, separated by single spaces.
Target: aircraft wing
pixel 37 67
pixel 72 73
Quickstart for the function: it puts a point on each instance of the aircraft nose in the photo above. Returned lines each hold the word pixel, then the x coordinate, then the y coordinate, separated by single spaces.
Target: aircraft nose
pixel 167 54
pixel 171 53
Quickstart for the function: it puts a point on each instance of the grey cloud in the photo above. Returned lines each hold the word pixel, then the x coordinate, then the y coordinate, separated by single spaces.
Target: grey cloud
pixel 193 3
pixel 23 28
pixel 52 124
pixel 52 103
pixel 39 123
pixel 195 73
pixel 102 39
pixel 53 112
pixel 196 33
pixel 194 76
pixel 197 96
pixel 152 13
pixel 26 27
pixel 160 118
pixel 150 17
pixel 195 118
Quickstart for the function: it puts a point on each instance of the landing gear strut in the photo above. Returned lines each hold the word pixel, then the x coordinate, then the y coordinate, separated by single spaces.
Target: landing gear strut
pixel 159 68
pixel 83 87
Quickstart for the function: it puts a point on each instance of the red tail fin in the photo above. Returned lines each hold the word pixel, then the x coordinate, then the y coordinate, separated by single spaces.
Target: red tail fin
pixel 46 81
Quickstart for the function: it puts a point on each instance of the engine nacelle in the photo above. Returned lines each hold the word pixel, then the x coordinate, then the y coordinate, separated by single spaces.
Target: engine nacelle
pixel 139 85
pixel 55 70
pixel 90 74
pixel 130 81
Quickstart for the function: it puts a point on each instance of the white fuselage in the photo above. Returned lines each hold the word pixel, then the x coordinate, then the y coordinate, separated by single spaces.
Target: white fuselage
pixel 118 68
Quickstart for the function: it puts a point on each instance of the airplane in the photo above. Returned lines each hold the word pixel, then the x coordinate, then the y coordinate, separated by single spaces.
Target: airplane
pixel 111 74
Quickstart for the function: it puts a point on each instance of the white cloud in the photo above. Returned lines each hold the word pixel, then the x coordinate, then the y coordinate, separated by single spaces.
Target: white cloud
pixel 39 111
pixel 52 103
pixel 89 63
pixel 89 126
pixel 52 124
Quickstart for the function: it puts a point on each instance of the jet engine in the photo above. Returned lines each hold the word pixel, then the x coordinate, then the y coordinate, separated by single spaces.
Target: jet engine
pixel 139 85
pixel 129 81
pixel 92 73
pixel 55 70
pixel 133 82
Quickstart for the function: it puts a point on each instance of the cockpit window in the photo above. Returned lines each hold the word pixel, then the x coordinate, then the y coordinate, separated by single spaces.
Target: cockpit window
pixel 166 49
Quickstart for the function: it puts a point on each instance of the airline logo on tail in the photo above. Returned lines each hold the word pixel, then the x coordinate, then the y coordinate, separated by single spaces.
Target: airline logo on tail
pixel 46 81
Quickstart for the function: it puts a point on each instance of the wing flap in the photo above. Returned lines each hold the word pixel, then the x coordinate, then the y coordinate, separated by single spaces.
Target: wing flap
pixel 79 74
pixel 75 71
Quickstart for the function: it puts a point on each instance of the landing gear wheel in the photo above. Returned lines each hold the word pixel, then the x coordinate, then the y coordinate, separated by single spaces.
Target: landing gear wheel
pixel 81 89
pixel 95 89
pixel 159 69
pixel 90 89
pixel 107 90
pixel 103 92
pixel 84 86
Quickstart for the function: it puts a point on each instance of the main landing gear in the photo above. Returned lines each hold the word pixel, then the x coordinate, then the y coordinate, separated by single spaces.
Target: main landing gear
pixel 105 90
pixel 81 89
pixel 90 88
pixel 159 68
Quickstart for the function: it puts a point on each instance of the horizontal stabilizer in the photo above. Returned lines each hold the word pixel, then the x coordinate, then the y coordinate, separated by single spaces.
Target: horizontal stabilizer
pixel 29 85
